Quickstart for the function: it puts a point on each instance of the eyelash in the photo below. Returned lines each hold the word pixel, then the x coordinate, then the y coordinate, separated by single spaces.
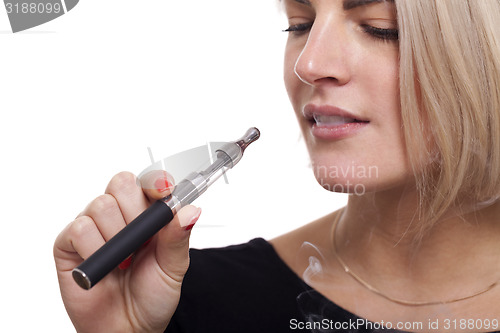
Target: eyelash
pixel 299 29
pixel 385 35
pixel 377 33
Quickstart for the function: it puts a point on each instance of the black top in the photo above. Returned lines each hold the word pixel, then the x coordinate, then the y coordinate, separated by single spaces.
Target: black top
pixel 248 288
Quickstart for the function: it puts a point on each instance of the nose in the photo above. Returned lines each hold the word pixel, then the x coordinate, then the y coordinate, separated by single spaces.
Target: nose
pixel 325 56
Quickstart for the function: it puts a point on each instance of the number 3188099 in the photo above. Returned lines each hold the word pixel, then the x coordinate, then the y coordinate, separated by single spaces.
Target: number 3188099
pixel 33 8
pixel 471 324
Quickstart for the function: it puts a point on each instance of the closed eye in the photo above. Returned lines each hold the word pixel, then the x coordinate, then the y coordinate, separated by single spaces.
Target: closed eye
pixel 380 33
pixel 299 29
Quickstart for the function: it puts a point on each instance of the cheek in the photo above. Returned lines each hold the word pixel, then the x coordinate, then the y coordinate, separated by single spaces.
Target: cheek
pixel 381 81
pixel 292 82
pixel 378 83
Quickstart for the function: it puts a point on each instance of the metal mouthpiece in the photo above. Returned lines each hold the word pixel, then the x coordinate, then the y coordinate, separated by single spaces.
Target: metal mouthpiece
pixel 250 136
pixel 234 150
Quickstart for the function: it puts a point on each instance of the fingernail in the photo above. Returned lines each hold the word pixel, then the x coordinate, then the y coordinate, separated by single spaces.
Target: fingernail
pixel 193 220
pixel 162 184
pixel 125 263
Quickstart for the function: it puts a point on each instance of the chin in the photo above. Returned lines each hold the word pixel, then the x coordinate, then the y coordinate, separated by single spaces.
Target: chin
pixel 343 169
pixel 351 178
pixel 359 171
pixel 347 186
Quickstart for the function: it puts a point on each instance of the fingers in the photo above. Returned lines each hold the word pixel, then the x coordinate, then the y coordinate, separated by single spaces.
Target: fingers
pixel 130 197
pixel 85 237
pixel 106 215
pixel 76 242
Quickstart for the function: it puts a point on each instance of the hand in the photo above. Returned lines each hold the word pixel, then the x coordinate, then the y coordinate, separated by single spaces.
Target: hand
pixel 144 296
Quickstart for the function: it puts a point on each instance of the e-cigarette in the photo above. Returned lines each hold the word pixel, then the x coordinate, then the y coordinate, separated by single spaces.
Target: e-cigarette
pixel 159 214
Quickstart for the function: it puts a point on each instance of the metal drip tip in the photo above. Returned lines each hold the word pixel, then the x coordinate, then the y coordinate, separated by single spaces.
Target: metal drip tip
pixel 250 136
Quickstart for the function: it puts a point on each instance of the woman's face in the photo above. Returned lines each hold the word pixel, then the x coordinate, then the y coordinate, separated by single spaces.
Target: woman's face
pixel 341 74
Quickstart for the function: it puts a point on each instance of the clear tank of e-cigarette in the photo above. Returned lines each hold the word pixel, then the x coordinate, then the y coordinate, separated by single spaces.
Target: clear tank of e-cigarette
pixel 196 183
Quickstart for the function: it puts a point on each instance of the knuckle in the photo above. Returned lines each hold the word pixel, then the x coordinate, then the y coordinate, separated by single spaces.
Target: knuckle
pixel 105 203
pixel 123 181
pixel 81 226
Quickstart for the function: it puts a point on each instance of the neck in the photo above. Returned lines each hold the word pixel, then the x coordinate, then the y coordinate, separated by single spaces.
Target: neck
pixel 375 238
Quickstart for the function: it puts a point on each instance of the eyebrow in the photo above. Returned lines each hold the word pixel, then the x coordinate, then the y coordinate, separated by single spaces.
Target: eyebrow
pixel 349 4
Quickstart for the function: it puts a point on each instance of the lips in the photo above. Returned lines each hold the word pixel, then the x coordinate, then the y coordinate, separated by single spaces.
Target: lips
pixel 331 123
pixel 330 114
pixel 325 120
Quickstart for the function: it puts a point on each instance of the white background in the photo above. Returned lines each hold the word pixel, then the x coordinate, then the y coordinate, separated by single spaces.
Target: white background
pixel 84 96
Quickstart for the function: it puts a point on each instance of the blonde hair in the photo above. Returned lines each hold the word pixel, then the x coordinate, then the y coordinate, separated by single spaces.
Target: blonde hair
pixel 450 100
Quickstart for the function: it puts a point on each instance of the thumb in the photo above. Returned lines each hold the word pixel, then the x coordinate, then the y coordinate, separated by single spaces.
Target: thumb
pixel 172 250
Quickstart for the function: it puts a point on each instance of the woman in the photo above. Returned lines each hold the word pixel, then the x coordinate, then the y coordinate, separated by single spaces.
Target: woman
pixel 399 105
